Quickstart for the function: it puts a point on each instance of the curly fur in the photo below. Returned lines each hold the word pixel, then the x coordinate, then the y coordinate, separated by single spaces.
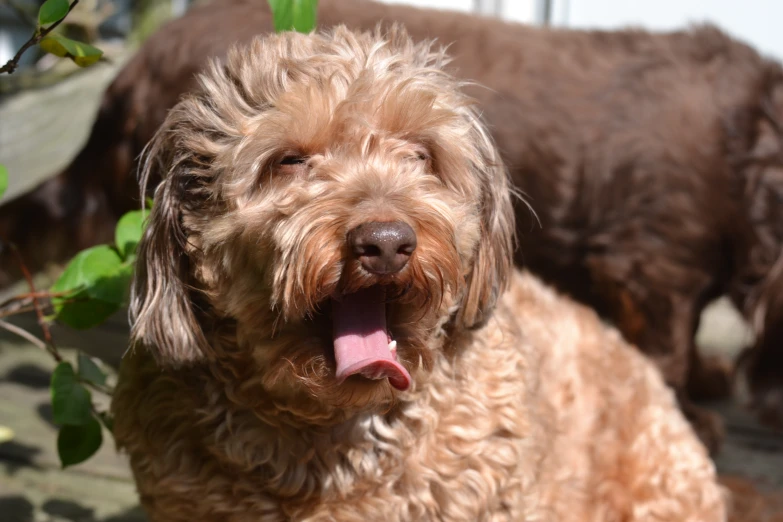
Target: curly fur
pixel 523 405
pixel 652 160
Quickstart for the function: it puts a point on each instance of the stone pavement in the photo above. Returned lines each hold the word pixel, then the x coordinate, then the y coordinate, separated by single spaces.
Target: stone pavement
pixel 34 489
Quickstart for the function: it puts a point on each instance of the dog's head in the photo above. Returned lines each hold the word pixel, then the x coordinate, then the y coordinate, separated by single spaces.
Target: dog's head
pixel 330 196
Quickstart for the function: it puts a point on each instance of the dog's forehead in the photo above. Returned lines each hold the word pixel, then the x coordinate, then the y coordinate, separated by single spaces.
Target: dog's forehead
pixel 293 94
pixel 347 54
pixel 341 99
pixel 363 83
pixel 340 70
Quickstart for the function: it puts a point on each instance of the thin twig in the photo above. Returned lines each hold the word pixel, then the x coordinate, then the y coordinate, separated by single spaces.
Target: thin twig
pixel 21 332
pixel 13 63
pixel 50 346
pixel 17 310
pixel 28 297
pixel 101 388
pixel 24 303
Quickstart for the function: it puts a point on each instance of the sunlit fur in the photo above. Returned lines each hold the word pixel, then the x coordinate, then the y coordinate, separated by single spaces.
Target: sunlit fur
pixel 523 405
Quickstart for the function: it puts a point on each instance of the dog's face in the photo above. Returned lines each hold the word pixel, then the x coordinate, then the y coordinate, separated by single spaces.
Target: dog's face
pixel 336 200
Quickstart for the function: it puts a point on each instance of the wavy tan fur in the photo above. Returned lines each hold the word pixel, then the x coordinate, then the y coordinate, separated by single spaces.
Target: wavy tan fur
pixel 523 405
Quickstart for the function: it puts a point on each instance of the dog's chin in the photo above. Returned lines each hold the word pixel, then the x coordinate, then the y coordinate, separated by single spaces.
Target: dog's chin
pixel 355 351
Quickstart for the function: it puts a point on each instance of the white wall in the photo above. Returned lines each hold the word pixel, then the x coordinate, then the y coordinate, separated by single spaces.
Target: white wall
pixel 528 11
pixel 454 5
pixel 517 10
pixel 757 22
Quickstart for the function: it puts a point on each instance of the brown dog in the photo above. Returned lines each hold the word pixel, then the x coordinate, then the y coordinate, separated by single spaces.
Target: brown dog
pixel 653 162
pixel 322 325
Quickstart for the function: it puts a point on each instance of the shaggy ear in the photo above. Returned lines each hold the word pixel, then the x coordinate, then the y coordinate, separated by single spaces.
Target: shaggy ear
pixel 492 265
pixel 162 314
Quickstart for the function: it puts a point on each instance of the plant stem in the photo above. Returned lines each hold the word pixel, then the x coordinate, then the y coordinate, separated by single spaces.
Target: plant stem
pixel 37 36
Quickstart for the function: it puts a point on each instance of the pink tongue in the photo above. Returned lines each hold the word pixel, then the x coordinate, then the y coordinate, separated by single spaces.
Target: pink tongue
pixel 361 345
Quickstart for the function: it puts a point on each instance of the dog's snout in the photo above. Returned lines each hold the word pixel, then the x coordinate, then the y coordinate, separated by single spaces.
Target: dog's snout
pixel 382 247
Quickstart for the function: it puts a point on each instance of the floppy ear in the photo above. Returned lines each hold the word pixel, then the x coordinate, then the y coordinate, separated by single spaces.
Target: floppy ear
pixel 492 264
pixel 162 313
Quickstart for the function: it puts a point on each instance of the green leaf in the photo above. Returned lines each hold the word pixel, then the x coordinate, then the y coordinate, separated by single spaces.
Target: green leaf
pixel 3 180
pixel 76 444
pixel 71 403
pixel 304 15
pixel 96 284
pixel 52 11
pixel 83 315
pixel 81 53
pixel 282 14
pixel 299 15
pixel 114 287
pixel 128 232
pixel 84 270
pixel 90 371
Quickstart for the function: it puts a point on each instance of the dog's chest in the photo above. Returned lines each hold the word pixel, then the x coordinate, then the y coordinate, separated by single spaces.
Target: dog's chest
pixel 463 450
pixel 454 472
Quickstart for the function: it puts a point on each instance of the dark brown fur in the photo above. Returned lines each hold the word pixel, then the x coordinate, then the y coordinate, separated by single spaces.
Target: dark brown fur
pixel 653 162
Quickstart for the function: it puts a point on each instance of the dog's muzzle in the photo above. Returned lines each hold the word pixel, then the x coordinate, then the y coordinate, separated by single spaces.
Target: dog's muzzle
pixel 362 345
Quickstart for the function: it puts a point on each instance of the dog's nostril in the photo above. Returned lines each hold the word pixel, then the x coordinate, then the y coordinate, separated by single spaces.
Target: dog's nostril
pixel 382 247
pixel 406 249
pixel 366 250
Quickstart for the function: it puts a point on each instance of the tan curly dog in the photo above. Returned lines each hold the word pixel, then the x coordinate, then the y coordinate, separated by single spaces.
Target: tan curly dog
pixel 327 325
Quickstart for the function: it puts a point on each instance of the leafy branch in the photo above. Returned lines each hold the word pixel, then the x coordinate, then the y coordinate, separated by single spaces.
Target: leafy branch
pixel 51 14
pixel 92 287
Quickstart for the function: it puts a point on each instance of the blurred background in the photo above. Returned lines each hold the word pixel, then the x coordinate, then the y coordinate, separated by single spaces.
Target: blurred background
pixel 46 138
pixel 755 21
pixel 752 20
pixel 46 110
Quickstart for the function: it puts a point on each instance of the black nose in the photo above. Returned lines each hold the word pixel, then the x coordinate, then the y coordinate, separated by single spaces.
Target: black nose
pixel 382 247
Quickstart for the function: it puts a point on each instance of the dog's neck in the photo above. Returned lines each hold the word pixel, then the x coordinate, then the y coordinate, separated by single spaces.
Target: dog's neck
pixel 299 448
pixel 299 456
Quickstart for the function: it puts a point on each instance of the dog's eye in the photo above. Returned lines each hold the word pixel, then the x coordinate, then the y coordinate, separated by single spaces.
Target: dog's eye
pixel 293 160
pixel 293 165
pixel 419 156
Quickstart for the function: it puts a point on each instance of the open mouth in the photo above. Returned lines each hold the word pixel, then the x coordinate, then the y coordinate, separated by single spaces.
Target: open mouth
pixel 362 344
